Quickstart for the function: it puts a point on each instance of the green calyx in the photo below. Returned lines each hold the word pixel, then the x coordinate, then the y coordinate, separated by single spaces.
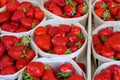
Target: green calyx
pixel 64 75
pixel 106 15
pixel 47 67
pixel 78 44
pixel 27 76
pixel 85 8
pixel 103 5
pixel 25 40
pixel 103 38
pixel 24 54
pixel 80 35
pixel 33 24
pixel 67 51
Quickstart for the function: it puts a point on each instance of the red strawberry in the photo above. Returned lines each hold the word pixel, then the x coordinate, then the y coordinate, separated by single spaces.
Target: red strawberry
pixel 18 15
pixel 75 30
pixel 111 4
pixel 80 42
pixel 57 41
pixel 60 3
pixel 40 30
pixel 12 5
pixel 5 61
pixel 117 1
pixel 102 13
pixel 98 48
pixel 16 52
pixel 100 4
pixel 96 40
pixel 55 9
pixel 15 23
pixel 118 14
pixel 24 6
pixel 30 13
pixel 2 50
pixel 106 1
pixel 76 15
pixel 104 75
pixel 116 76
pixel 114 10
pixel 8 70
pixel 9 27
pixel 60 50
pixel 79 1
pixel 21 63
pixel 82 66
pixel 65 28
pixel 35 8
pixel 82 9
pixel 75 77
pixel 73 47
pixel 30 54
pixel 118 56
pixel 9 41
pixel 72 37
pixel 4 17
pixel 39 14
pixel 3 2
pixel 35 69
pixel 43 42
pixel 21 29
pixel 28 23
pixel 107 52
pixel 47 3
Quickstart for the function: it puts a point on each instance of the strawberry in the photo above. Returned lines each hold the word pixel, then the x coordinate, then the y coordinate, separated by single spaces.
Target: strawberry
pixel 8 70
pixel 30 13
pixel 118 14
pixel 9 27
pixel 3 2
pixel 60 3
pixel 21 29
pixel 79 1
pixel 73 47
pixel 80 42
pixel 35 8
pixel 72 37
pixel 15 23
pixel 47 3
pixel 114 10
pixel 60 50
pixel 75 77
pixel 39 15
pixel 76 15
pixel 116 76
pixel 117 1
pixel 40 30
pixel 2 50
pixel 82 9
pixel 21 63
pixel 28 23
pixel 65 28
pixel 9 41
pixel 12 5
pixel 16 52
pixel 82 66
pixel 57 41
pixel 98 48
pixel 24 6
pixel 18 15
pixel 118 56
pixel 104 75
pixel 30 54
pixel 75 30
pixel 4 17
pixel 43 42
pixel 111 4
pixel 34 69
pixel 102 13
pixel 100 4
pixel 5 61
pixel 55 9
pixel 107 52
pixel 106 1
pixel 65 70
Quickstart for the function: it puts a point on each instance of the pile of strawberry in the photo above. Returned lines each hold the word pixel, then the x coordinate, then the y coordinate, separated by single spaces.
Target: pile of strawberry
pixel 107 43
pixel 20 16
pixel 110 73
pixel 3 3
pixel 41 71
pixel 67 8
pixel 108 10
pixel 61 40
pixel 15 53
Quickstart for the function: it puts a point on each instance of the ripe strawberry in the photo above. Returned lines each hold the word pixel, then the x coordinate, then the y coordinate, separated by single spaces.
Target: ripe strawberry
pixel 111 4
pixel 102 13
pixel 82 9
pixel 98 48
pixel 73 47
pixel 75 30
pixel 57 41
pixel 117 1
pixel 30 13
pixel 47 3
pixel 55 9
pixel 35 8
pixel 43 41
pixel 75 77
pixel 76 15
pixel 82 66
pixel 80 42
pixel 15 23
pixel 5 61
pixel 24 6
pixel 40 30
pixel 2 50
pixel 28 23
pixel 116 76
pixel 39 15
pixel 8 70
pixel 104 75
pixel 9 27
pixel 4 17
pixel 118 14
pixel 21 63
pixel 60 3
pixel 29 55
pixel 79 1
pixel 3 2
pixel 118 56
pixel 106 1
pixel 35 69
pixel 65 70
pixel 12 5
pixel 107 52
pixel 72 37
pixel 18 15
pixel 114 10
pixel 65 28
pixel 60 50
pixel 16 52
pixel 100 4
pixel 21 29
pixel 96 40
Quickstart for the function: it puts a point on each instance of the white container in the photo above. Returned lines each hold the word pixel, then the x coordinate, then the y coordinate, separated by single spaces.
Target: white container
pixel 116 27
pixel 82 19
pixel 55 62
pixel 104 66
pixel 15 75
pixel 27 32
pixel 55 22
pixel 97 20
pixel 2 9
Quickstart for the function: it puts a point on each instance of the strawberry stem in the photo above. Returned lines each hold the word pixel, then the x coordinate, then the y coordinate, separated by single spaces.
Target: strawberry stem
pixel 80 35
pixel 104 5
pixel 27 76
pixel 64 75
pixel 103 38
pixel 25 40
pixel 78 44
pixel 106 15
pixel 67 51
pixel 85 8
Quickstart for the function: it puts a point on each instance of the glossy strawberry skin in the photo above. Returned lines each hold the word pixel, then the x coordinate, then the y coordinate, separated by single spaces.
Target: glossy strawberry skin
pixel 4 17
pixel 2 50
pixel 75 77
